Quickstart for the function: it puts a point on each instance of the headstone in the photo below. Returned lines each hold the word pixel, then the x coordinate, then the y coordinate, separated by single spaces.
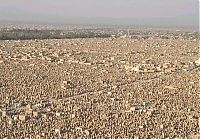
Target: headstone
pixel 22 117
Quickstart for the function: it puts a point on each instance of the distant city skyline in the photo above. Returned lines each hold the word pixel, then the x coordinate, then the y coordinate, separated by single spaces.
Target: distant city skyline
pixel 155 13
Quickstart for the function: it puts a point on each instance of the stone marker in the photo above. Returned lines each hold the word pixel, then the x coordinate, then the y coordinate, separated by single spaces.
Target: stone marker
pixel 22 117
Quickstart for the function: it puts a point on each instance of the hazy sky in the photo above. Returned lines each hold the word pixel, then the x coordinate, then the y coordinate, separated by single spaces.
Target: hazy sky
pixel 166 13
